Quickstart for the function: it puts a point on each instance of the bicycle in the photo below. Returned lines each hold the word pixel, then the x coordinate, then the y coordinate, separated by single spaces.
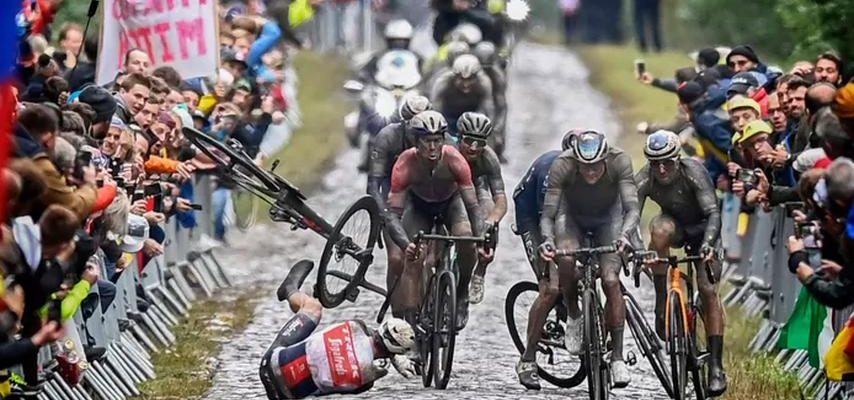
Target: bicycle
pixel 681 312
pixel 351 239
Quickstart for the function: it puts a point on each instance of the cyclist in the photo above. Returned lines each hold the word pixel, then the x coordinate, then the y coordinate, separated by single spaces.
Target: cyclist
pixel 486 54
pixel 609 210
pixel 528 200
pixel 465 88
pixel 432 182
pixel 475 129
pixel 389 143
pixel 343 358
pixel 689 217
pixel 398 35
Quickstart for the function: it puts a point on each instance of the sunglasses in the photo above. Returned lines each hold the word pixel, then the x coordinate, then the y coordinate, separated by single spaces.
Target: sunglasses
pixel 664 163
pixel 471 141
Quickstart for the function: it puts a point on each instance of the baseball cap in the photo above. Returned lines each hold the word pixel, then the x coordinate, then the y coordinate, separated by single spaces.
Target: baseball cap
pixel 741 82
pixel 136 235
pixel 689 92
pixel 755 128
pixel 739 101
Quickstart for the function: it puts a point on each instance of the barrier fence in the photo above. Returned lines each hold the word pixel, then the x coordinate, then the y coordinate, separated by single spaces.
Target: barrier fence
pixel 764 287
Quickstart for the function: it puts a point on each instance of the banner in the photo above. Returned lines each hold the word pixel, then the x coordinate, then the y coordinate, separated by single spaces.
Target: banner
pixel 180 33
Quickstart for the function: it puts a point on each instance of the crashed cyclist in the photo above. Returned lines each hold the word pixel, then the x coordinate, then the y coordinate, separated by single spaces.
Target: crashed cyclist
pixel 432 182
pixel 464 88
pixel 528 200
pixel 474 130
pixel 689 217
pixel 345 357
pixel 387 147
pixel 608 210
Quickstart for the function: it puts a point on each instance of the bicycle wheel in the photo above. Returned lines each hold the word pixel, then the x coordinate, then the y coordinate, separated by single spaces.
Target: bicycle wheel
pixel 678 346
pixel 593 348
pixel 424 333
pixel 240 168
pixel 444 328
pixel 349 247
pixel 245 209
pixel 647 341
pixel 699 373
pixel 554 363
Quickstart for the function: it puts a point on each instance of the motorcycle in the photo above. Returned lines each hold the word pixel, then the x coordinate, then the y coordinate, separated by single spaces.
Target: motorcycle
pixel 397 78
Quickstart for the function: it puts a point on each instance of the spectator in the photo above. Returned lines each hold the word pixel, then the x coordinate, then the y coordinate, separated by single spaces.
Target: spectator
pixel 713 128
pixel 71 40
pixel 648 18
pixel 742 111
pixel 828 68
pixel 747 84
pixel 777 117
pixel 133 93
pixel 83 71
pixel 103 104
pixel 569 12
pixel 796 107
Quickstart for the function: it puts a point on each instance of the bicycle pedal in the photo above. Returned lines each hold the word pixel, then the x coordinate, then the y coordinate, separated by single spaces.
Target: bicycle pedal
pixel 352 295
pixel 631 359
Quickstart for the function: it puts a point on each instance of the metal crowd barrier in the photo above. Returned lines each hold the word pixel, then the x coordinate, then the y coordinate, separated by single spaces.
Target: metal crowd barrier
pixel 763 286
pixel 349 27
pixel 185 272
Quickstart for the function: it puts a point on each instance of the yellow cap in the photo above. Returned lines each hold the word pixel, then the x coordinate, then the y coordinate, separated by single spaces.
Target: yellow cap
pixel 755 128
pixel 742 102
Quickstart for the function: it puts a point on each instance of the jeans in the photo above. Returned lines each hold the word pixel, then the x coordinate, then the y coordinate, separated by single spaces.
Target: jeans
pixel 647 17
pixel 221 203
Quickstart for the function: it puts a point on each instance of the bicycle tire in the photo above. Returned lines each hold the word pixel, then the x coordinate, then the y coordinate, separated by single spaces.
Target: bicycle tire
pixel 647 341
pixel 425 339
pixel 239 198
pixel 444 328
pixel 510 317
pixel 698 372
pixel 592 346
pixel 332 299
pixel 677 342
pixel 215 149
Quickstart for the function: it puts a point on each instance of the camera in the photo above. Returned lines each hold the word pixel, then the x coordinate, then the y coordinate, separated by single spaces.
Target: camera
pixel 83 159
pixel 747 176
pixel 810 233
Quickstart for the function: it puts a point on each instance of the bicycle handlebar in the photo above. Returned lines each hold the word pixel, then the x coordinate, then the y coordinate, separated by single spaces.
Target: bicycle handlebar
pixel 587 251
pixel 674 261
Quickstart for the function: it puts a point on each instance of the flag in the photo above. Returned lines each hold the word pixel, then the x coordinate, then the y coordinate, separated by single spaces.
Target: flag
pixel 8 103
pixel 808 328
pixel 839 360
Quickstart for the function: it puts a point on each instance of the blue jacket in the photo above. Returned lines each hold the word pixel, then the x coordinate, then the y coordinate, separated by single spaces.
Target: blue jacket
pixel 530 193
pixel 270 35
pixel 714 131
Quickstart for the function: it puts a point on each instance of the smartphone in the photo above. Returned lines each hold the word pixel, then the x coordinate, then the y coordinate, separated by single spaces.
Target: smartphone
pixel 197 207
pixel 640 67
pixel 54 311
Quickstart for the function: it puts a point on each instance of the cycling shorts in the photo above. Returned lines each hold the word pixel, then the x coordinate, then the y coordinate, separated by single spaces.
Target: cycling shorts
pixel 532 241
pixel 420 214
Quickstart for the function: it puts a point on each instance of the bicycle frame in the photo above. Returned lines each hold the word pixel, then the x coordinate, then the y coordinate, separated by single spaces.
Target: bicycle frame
pixel 682 284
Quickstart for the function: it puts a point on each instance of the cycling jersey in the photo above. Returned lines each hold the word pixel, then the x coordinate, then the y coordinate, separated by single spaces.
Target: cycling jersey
pixel 338 359
pixel 451 102
pixel 690 200
pixel 486 172
pixel 389 143
pixel 530 192
pixel 499 100
pixel 591 204
pixel 431 184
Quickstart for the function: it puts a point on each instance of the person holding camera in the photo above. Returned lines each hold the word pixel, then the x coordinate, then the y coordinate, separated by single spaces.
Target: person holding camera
pixel 765 184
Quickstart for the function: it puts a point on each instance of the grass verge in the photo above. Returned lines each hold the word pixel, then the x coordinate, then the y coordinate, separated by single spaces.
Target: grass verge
pixel 185 371
pixel 750 376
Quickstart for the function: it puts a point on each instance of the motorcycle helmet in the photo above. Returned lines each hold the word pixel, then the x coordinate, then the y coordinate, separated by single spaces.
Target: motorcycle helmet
pixel 398 33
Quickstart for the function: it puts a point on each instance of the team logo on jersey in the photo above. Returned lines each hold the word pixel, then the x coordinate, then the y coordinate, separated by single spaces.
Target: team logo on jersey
pixel 341 355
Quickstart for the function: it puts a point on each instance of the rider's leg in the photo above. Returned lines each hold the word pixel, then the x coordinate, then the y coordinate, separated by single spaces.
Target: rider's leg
pixel 547 295
pixel 411 280
pixel 663 234
pixel 484 199
pixel 395 269
pixel 457 221
pixel 615 305
pixel 713 320
pixel 567 236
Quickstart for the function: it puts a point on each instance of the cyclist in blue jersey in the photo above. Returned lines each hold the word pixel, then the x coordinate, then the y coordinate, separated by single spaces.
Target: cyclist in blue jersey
pixel 528 200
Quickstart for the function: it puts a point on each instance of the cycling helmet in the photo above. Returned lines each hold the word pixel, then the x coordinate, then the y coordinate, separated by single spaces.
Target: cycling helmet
pixel 468 33
pixel 662 145
pixel 590 147
pixel 428 123
pixel 398 29
pixel 413 105
pixel 485 53
pixel 568 138
pixel 474 124
pixel 466 66
pixel 397 335
pixel 456 49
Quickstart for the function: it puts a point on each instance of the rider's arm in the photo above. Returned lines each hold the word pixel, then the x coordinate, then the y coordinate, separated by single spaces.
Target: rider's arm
pixel 462 173
pixel 397 199
pixel 562 168
pixel 487 104
pixel 642 182
pixel 628 195
pixel 496 186
pixel 437 91
pixel 706 198
pixel 500 99
pixel 377 167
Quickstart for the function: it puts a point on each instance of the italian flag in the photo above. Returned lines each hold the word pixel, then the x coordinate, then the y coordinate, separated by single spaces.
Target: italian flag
pixel 809 328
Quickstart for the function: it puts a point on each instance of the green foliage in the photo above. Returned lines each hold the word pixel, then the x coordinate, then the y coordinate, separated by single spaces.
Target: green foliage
pixel 75 11
pixel 820 25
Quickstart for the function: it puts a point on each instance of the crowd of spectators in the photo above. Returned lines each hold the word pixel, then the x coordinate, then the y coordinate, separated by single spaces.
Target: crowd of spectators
pixel 95 170
pixel 772 137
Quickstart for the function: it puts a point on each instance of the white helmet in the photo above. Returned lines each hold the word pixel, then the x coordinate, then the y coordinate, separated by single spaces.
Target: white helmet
pixel 398 29
pixel 466 66
pixel 456 49
pixel 412 106
pixel 662 145
pixel 428 123
pixel 468 33
pixel 474 124
pixel 397 335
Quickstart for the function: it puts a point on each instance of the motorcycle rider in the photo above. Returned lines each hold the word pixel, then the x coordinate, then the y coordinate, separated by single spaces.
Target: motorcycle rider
pixel 528 200
pixel 487 55
pixel 299 362
pixel 389 143
pixel 465 88
pixel 432 180
pixel 398 35
pixel 475 130
pixel 451 13
pixel 689 217
pixel 609 210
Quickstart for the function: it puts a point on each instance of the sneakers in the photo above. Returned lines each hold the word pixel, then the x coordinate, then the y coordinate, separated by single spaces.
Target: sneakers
pixel 573 339
pixel 620 374
pixel 476 289
pixel 527 373
pixel 296 276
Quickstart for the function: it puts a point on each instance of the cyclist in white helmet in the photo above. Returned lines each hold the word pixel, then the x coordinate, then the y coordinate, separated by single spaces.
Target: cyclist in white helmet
pixel 342 358
pixel 464 88
pixel 608 209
